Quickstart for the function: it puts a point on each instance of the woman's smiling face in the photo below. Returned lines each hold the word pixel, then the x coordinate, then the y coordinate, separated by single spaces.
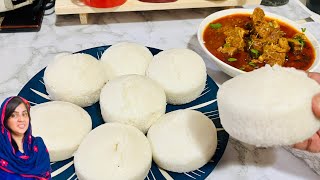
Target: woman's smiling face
pixel 18 122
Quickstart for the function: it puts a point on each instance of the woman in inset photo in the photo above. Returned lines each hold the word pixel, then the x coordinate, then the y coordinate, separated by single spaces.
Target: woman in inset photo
pixel 22 156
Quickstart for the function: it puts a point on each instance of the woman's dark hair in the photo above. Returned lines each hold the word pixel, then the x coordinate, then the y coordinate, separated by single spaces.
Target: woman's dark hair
pixel 11 106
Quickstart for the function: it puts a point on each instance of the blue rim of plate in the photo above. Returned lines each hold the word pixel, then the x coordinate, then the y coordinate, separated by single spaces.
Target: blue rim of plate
pixel 34 91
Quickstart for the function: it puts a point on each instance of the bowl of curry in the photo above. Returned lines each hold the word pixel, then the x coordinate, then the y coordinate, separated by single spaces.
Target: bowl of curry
pixel 241 40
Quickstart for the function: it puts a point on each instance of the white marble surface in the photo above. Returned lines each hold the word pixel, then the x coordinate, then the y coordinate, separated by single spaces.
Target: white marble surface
pixel 24 54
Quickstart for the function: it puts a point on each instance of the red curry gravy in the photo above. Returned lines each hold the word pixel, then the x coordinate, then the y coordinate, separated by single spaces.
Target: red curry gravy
pixel 214 39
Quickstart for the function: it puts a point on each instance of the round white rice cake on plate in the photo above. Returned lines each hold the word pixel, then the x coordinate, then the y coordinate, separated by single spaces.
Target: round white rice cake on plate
pixel 183 140
pixel 126 58
pixel 132 99
pixel 76 78
pixel 181 72
pixel 269 106
pixel 113 151
pixel 62 125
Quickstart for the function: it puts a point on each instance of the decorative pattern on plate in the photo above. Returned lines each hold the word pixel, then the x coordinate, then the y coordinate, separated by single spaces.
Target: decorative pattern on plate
pixel 35 92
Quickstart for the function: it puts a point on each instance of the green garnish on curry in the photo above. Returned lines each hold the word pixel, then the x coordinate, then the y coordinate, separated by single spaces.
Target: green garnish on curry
pixel 232 59
pixel 216 26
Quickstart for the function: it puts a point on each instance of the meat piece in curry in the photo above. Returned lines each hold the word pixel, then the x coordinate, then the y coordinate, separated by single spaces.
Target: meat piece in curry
pixel 248 42
pixel 234 40
pixel 297 42
pixel 272 45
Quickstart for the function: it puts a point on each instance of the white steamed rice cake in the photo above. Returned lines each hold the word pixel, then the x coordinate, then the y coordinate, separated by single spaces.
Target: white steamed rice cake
pixel 76 78
pixel 269 106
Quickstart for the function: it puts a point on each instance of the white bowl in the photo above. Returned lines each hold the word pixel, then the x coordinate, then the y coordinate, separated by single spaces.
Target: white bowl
pixel 232 71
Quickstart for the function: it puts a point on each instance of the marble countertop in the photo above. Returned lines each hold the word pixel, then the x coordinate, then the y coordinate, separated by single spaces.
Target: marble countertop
pixel 24 54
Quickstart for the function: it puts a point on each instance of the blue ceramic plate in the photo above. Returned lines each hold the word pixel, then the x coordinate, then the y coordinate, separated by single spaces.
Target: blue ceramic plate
pixel 34 92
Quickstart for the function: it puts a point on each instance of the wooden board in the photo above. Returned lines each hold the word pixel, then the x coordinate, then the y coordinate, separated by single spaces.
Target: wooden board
pixel 63 7
pixel 77 7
